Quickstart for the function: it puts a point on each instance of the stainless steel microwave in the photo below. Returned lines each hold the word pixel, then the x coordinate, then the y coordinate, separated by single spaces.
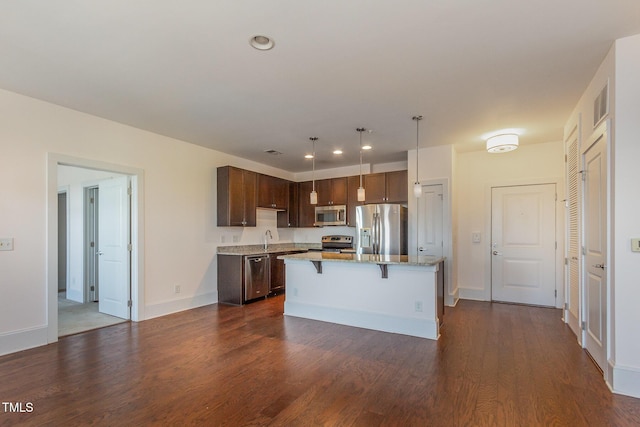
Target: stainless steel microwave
pixel 331 215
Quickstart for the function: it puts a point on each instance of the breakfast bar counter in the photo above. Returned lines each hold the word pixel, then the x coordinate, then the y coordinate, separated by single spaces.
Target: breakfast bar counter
pixel 404 295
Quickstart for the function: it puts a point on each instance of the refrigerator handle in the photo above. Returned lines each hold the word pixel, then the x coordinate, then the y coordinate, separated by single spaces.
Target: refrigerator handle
pixel 379 237
pixel 373 233
pixel 376 233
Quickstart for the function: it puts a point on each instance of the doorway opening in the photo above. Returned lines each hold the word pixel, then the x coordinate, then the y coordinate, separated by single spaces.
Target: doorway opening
pixel 125 233
pixel 80 306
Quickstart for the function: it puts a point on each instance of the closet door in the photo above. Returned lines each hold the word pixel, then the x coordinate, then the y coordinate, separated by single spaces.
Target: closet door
pixel 572 294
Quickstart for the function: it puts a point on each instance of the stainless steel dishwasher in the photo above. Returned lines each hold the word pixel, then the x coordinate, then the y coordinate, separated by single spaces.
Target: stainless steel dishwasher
pixel 256 276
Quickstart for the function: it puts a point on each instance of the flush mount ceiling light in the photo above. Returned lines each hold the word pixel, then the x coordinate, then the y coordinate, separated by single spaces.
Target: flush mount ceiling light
pixel 261 42
pixel 502 143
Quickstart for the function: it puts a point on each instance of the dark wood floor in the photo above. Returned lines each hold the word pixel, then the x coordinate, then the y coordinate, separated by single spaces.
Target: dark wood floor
pixel 495 365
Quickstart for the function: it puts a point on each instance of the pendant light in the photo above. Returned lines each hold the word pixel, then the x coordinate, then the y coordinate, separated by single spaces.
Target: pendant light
pixel 313 196
pixel 417 187
pixel 361 194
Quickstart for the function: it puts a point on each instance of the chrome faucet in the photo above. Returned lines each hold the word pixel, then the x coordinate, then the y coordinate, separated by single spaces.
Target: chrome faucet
pixel 266 240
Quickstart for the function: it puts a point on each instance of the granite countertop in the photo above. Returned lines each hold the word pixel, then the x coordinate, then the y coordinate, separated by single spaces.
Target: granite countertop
pixel 365 258
pixel 273 248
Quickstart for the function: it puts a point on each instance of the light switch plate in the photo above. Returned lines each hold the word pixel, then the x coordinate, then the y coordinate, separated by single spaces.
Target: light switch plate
pixel 6 244
pixel 635 245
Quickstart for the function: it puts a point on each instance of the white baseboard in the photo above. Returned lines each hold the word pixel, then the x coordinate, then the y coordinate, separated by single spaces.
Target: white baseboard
pixel 472 294
pixel 423 328
pixel 624 380
pixel 175 306
pixel 452 299
pixel 23 340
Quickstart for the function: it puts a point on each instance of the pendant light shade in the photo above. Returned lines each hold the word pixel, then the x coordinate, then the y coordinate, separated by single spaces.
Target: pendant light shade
pixel 417 187
pixel 313 196
pixel 361 192
pixel 502 143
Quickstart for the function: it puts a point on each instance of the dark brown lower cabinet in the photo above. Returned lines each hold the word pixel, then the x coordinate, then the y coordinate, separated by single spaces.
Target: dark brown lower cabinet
pixel 277 275
pixel 231 279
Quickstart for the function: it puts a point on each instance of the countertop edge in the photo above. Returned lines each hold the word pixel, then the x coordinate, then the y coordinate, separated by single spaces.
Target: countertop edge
pixel 417 261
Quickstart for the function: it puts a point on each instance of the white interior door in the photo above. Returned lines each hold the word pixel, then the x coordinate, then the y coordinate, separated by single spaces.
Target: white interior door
pixel 595 252
pixel 114 238
pixel 523 253
pixel 430 213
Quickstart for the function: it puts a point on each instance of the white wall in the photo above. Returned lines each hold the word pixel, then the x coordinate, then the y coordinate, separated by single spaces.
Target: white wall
pixel 475 173
pixel 179 219
pixel 625 351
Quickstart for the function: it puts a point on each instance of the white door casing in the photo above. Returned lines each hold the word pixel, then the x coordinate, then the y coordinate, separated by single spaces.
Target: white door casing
pixel 114 242
pixel 523 248
pixel 594 221
pixel 430 229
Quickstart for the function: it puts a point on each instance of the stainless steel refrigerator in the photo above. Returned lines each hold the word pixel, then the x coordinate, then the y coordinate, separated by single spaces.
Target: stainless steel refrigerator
pixel 381 229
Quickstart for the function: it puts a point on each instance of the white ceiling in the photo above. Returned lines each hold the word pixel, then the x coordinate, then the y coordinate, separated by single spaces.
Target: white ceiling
pixel 185 69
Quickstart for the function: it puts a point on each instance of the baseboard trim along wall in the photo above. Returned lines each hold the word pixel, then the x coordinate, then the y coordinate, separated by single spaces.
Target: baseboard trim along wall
pixel 625 380
pixel 22 340
pixel 472 294
pixel 175 306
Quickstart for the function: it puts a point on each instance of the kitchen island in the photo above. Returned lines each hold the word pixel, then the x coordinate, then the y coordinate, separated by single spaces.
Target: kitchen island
pixel 391 293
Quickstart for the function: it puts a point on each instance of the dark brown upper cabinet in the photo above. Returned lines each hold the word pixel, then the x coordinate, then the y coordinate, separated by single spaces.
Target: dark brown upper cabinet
pixel 236 197
pixel 386 187
pixel 353 183
pixel 332 191
pixel 306 211
pixel 273 193
pixel 289 218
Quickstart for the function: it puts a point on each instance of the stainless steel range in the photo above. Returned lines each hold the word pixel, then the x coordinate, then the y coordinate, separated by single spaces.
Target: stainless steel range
pixel 337 243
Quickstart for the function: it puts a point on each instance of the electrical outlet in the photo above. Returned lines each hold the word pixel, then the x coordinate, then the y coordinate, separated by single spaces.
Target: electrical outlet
pixel 177 289
pixel 236 239
pixel 419 306
pixel 635 245
pixel 476 237
pixel 295 292
pixel 6 244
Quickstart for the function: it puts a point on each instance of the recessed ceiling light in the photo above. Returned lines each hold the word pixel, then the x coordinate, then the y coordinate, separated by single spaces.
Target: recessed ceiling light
pixel 308 156
pixel 366 147
pixel 261 42
pixel 337 151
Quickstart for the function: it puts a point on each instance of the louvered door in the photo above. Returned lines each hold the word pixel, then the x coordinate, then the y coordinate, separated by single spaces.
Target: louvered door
pixel 572 308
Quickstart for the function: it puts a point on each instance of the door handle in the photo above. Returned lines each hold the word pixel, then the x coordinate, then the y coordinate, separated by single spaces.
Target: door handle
pixel 421 249
pixel 497 253
pixel 99 253
pixel 602 266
